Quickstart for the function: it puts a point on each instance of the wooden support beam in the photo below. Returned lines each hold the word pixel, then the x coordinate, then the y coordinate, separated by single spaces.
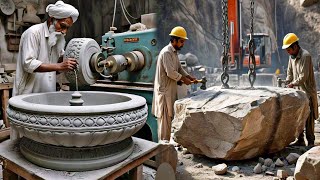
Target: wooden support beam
pixel 4 134
pixel 136 173
pixel 5 95
pixel 12 167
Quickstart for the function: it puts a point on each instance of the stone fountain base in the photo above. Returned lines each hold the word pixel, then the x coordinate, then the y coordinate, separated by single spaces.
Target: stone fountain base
pixel 74 158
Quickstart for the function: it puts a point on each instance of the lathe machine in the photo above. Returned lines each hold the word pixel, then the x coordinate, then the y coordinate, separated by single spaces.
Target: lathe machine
pixel 125 62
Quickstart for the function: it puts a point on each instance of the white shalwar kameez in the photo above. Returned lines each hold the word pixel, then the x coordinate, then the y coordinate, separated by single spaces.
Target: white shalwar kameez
pixel 33 51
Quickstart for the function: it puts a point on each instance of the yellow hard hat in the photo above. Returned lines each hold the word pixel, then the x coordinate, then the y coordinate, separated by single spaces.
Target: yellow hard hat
pixel 179 32
pixel 289 39
pixel 277 71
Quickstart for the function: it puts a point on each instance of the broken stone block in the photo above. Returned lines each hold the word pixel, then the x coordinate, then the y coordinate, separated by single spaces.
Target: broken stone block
pixel 279 163
pixel 308 165
pixel 240 123
pixel 290 178
pixel 282 174
pixel 261 160
pixel 268 162
pixel 264 168
pixel 292 158
pixel 220 169
pixel 235 169
pixel 257 169
pixel 269 173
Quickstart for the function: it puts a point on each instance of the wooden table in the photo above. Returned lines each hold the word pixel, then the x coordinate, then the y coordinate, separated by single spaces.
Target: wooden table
pixel 5 89
pixel 14 164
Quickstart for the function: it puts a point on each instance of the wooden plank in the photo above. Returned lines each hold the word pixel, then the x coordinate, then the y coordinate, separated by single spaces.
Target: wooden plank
pixel 6 86
pixel 4 100
pixel 132 165
pixel 4 134
pixel 150 163
pixel 9 175
pixel 18 170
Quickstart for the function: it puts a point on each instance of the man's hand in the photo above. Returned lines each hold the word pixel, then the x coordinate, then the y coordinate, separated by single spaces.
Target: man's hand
pixel 186 80
pixel 290 85
pixel 192 78
pixel 286 82
pixel 68 64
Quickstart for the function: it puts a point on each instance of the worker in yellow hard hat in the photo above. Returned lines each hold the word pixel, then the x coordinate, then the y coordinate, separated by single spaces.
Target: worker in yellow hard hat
pixel 300 75
pixel 168 73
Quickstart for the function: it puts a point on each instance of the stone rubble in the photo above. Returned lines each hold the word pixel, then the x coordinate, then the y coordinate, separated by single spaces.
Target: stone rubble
pixel 220 169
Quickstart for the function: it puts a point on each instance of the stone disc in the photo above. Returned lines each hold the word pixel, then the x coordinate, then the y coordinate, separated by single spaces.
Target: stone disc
pixel 82 49
pixel 7 7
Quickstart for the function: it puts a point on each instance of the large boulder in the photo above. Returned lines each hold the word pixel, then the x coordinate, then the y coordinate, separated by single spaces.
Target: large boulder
pixel 242 123
pixel 308 165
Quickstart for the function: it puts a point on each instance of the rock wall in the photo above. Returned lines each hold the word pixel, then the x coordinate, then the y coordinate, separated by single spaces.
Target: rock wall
pixel 202 20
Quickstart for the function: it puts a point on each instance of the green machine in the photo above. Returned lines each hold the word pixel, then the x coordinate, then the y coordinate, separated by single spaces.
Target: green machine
pixel 129 65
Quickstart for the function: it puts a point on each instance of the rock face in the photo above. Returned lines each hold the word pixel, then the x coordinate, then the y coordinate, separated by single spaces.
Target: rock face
pixel 203 22
pixel 308 165
pixel 236 124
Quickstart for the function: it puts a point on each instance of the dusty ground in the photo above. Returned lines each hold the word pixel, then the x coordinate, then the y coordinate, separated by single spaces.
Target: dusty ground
pixel 200 167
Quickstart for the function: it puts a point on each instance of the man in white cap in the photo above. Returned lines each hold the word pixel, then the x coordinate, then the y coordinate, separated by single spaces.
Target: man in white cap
pixel 41 51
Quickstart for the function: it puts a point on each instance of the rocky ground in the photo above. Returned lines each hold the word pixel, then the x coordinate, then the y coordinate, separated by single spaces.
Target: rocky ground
pixel 200 167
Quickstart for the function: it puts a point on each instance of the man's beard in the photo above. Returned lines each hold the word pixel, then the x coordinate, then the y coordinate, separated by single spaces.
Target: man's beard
pixel 56 38
pixel 178 48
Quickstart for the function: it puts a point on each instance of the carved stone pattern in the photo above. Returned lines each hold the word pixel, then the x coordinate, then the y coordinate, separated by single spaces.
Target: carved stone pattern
pixel 61 152
pixel 73 51
pixel 122 118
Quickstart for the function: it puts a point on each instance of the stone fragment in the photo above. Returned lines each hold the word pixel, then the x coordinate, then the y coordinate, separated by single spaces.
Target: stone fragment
pixel 273 166
pixel 291 171
pixel 270 173
pixel 235 169
pixel 257 169
pixel 308 165
pixel 264 168
pixel 279 163
pixel 268 162
pixel 292 158
pixel 282 174
pixel 241 123
pixel 261 160
pixel 185 151
pixel 198 165
pixel 220 169
pixel 290 178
